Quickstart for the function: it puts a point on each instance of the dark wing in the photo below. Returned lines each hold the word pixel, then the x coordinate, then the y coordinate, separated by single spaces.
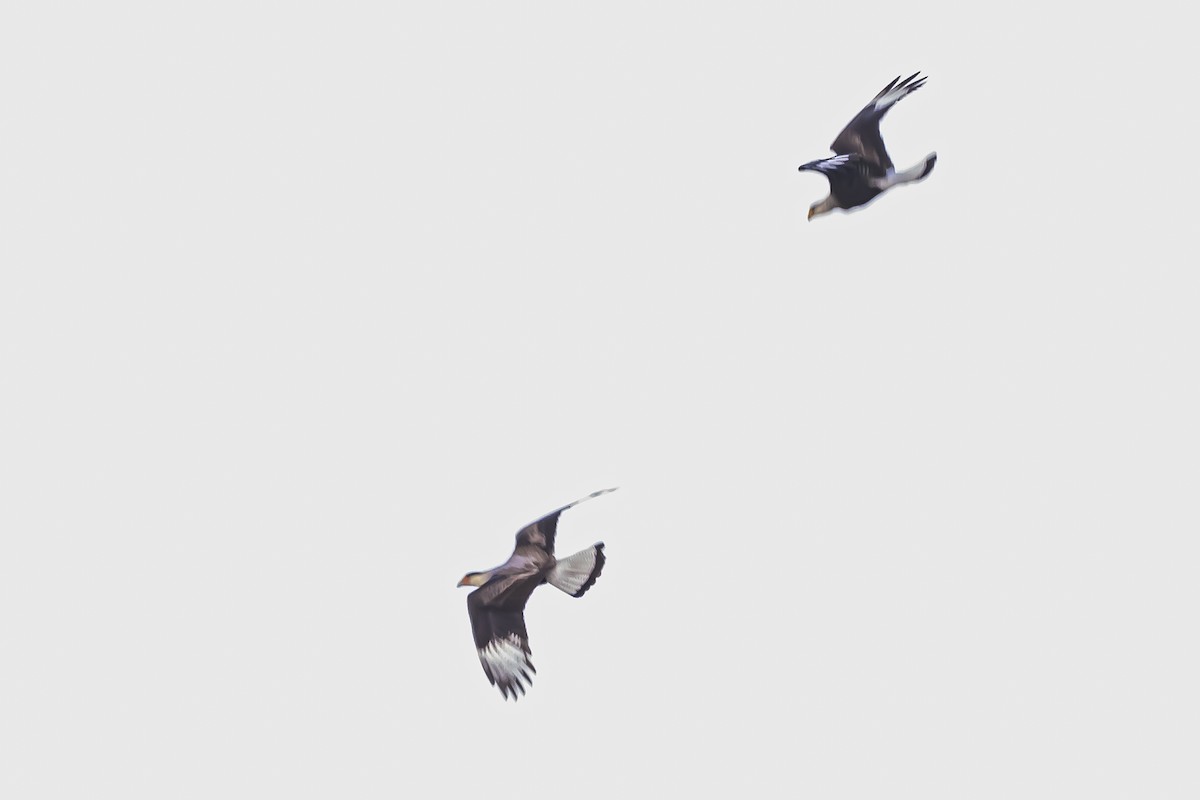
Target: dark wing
pixel 861 136
pixel 541 533
pixel 502 643
pixel 847 175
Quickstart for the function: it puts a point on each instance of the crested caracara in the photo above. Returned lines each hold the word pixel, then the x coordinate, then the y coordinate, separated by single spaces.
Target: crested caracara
pixel 497 607
pixel 862 170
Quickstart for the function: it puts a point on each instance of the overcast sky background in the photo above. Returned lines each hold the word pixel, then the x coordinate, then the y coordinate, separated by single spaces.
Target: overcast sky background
pixel 306 308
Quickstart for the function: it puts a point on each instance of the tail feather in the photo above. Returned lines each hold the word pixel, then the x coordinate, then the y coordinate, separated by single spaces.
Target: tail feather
pixel 576 573
pixel 911 175
pixel 930 160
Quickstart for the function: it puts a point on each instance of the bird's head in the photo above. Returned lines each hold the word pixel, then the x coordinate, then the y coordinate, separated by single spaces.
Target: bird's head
pixel 473 579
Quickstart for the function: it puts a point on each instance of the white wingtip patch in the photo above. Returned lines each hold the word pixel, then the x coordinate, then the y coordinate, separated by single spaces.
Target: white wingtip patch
pixel 507 665
pixel 887 100
pixel 828 165
pixel 593 494
pixel 898 93
pixel 589 497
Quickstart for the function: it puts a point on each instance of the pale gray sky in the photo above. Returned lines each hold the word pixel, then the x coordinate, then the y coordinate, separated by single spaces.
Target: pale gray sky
pixel 306 308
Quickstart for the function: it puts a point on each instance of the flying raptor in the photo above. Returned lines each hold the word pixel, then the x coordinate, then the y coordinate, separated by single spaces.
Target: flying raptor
pixel 861 169
pixel 497 607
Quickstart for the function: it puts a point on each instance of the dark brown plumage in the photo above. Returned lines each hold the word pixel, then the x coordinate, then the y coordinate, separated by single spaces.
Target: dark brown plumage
pixel 861 170
pixel 497 607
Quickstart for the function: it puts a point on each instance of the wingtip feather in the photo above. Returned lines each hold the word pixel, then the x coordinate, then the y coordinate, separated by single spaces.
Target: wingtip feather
pixel 887 88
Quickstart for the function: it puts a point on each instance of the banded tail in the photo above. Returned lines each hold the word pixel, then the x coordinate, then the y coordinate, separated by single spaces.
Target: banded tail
pixel 576 573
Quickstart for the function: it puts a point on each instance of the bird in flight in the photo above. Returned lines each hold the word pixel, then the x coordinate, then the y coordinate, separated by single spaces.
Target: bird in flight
pixel 861 169
pixel 497 607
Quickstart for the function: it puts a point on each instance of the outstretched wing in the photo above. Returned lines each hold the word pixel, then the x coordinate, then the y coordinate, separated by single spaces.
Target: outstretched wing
pixel 861 136
pixel 541 533
pixel 503 645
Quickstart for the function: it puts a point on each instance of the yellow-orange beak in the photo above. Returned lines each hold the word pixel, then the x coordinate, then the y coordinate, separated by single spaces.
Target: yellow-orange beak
pixel 475 579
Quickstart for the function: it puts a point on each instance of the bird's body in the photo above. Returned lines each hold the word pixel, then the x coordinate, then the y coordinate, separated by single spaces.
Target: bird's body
pixel 861 169
pixel 497 607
